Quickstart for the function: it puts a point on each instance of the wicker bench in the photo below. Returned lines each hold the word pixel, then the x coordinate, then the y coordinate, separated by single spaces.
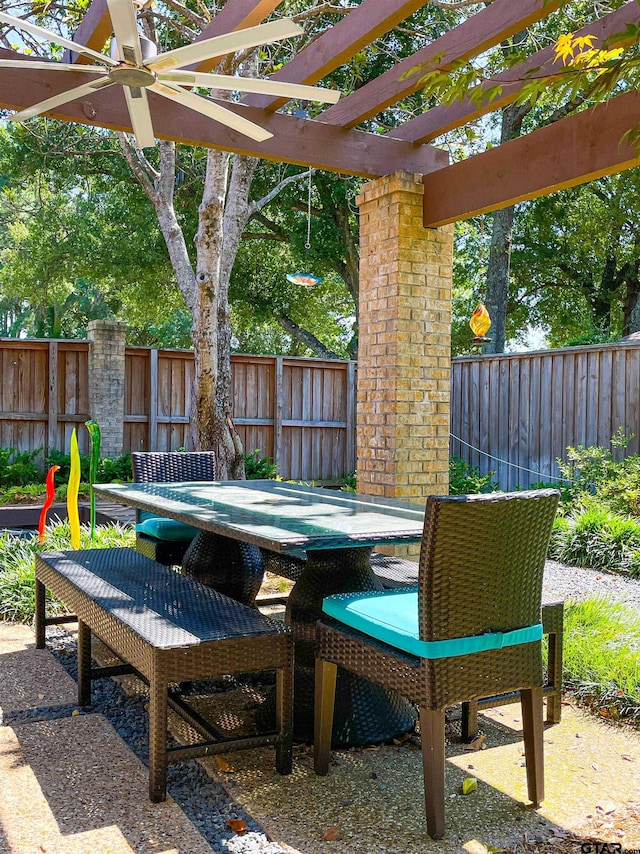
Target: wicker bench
pixel 398 572
pixel 167 629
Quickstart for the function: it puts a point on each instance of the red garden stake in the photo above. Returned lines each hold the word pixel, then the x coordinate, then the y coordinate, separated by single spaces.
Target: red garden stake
pixel 48 501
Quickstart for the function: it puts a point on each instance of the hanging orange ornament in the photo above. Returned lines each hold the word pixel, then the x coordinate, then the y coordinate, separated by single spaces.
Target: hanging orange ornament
pixel 480 322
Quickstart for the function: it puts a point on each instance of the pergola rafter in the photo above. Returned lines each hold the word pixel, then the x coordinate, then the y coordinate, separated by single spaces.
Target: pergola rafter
pixel 546 159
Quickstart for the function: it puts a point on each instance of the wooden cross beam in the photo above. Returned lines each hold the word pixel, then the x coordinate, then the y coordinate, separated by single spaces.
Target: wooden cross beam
pixel 572 151
pixel 300 141
pixel 439 120
pixel 485 29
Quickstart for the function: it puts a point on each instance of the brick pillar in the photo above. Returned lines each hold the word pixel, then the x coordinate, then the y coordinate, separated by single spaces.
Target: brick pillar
pixel 106 382
pixel 404 346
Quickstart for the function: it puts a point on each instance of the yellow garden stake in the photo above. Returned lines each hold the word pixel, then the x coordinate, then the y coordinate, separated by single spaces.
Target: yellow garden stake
pixel 72 492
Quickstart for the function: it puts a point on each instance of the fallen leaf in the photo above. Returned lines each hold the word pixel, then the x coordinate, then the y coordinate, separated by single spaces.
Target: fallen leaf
pixel 237 825
pixel 75 713
pixel 469 784
pixel 477 743
pixel 223 765
pixel 332 834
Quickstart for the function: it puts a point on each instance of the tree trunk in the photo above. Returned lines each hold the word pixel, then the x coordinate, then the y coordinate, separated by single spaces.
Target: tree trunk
pixel 497 290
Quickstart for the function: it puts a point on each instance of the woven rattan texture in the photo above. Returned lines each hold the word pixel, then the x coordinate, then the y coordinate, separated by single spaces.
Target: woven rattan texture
pixel 167 552
pixel 163 607
pixel 481 568
pixel 230 566
pixel 173 466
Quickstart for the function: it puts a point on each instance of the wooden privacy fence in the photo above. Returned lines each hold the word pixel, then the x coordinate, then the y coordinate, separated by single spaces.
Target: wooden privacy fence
pixel 515 414
pixel 299 412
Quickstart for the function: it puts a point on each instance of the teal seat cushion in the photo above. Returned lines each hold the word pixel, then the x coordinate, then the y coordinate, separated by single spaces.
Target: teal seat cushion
pixel 166 529
pixel 391 616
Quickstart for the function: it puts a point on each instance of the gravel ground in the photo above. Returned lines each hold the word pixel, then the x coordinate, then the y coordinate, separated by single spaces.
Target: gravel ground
pixel 572 582
pixel 206 802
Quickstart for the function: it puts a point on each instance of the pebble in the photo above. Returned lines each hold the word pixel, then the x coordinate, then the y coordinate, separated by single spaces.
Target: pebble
pixel 574 582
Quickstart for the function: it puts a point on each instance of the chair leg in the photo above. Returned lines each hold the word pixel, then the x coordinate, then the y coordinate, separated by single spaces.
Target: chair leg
pixel 40 614
pixel 325 696
pixel 84 664
pixel 284 719
pixel 554 670
pixel 157 740
pixel 432 737
pixel 533 730
pixel 469 723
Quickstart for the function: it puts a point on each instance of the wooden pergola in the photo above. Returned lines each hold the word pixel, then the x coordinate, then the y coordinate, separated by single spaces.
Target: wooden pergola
pixel 406 210
pixel 576 149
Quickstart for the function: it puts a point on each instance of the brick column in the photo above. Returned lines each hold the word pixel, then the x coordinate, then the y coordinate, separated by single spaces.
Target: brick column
pixel 106 382
pixel 404 347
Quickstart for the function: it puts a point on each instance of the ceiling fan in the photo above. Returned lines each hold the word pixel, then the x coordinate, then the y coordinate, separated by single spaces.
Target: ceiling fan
pixel 135 64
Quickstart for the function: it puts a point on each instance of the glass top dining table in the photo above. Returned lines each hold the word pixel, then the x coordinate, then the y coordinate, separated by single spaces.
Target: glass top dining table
pixel 276 515
pixel 320 538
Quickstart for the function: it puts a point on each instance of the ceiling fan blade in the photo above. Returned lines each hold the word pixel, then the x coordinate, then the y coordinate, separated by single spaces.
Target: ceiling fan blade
pixel 138 105
pixel 47 35
pixel 213 111
pixel 250 84
pixel 125 30
pixel 228 43
pixel 36 65
pixel 62 98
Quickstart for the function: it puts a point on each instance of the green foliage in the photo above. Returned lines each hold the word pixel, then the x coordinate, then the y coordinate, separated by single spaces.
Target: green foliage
pixel 110 469
pixel 592 535
pixel 595 471
pixel 349 483
pixel 258 467
pixel 602 656
pixel 18 468
pixel 464 479
pixel 17 557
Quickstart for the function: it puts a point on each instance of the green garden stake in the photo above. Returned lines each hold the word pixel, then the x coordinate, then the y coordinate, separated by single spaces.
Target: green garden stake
pixel 94 435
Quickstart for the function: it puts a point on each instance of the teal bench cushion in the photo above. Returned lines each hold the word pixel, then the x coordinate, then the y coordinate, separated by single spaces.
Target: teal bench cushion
pixel 166 529
pixel 391 616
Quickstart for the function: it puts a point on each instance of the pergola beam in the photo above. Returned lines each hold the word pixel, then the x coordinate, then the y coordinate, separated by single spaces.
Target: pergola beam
pixel 487 28
pixel 298 141
pixel 572 151
pixel 93 32
pixel 445 117
pixel 363 25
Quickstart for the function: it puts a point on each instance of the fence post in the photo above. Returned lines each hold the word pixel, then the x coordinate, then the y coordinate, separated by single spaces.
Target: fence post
pixel 106 382
pixel 52 425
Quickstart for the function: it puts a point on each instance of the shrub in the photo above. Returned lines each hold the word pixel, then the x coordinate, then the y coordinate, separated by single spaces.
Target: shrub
pixel 109 468
pixel 602 656
pixel 594 536
pixel 349 483
pixel 463 479
pixel 17 468
pixel 17 558
pixel 259 468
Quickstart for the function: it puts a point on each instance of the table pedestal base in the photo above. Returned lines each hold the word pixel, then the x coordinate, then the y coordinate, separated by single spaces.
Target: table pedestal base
pixel 229 566
pixel 364 712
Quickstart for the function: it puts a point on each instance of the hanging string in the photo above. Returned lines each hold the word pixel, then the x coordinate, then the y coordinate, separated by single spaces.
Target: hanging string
pixel 307 245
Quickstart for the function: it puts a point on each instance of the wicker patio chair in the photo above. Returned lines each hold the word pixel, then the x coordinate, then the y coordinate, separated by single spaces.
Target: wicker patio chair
pixel 471 628
pixel 159 538
pixel 230 566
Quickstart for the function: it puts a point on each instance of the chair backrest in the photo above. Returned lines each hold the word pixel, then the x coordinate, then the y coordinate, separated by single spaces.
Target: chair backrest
pixel 482 562
pixel 173 466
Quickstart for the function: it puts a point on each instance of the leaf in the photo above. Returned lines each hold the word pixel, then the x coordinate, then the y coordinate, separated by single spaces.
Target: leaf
pixel 332 834
pixel 477 743
pixel 223 765
pixel 470 784
pixel 237 825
